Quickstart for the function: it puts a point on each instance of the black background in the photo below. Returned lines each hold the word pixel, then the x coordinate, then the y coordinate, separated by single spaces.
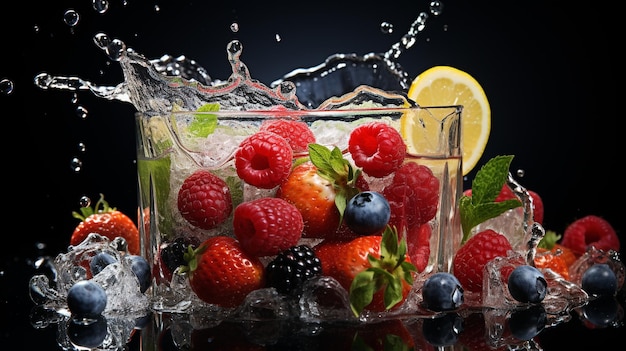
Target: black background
pixel 550 70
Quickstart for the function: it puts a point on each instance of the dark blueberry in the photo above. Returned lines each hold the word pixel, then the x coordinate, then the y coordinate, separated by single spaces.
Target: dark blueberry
pixel 442 292
pixel 101 260
pixel 599 280
pixel 527 323
pixel 367 212
pixel 288 271
pixel 602 311
pixel 86 298
pixel 527 284
pixel 141 268
pixel 443 330
pixel 87 333
pixel 172 255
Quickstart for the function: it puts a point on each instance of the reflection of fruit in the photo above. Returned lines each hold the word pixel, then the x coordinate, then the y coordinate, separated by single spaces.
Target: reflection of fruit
pixel 141 268
pixel 106 221
pixel 444 85
pixel 204 200
pixel 212 273
pixel 267 226
pixel 87 334
pixel 471 258
pixel 418 245
pixel 590 231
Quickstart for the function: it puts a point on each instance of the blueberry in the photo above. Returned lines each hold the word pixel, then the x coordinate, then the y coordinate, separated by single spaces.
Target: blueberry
pixel 527 284
pixel 141 268
pixel 86 298
pixel 599 280
pixel 87 334
pixel 101 260
pixel 527 323
pixel 443 330
pixel 367 212
pixel 442 292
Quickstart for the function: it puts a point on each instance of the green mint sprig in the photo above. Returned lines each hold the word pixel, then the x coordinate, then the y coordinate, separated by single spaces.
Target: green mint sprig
pixel 204 124
pixel 486 186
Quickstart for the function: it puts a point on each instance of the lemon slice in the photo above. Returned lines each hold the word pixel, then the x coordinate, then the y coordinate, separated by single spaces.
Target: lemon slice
pixel 444 86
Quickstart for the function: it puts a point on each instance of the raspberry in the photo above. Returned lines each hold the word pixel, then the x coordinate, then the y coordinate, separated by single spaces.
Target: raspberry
pixel 297 134
pixel 263 159
pixel 267 226
pixel 377 148
pixel 471 258
pixel 413 196
pixel 590 231
pixel 538 210
pixel 204 200
pixel 418 245
pixel 291 268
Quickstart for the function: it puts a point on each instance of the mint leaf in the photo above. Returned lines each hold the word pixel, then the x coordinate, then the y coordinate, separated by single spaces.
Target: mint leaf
pixel 204 124
pixel 486 187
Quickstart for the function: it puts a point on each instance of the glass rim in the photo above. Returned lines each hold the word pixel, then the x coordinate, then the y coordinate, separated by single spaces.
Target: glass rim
pixel 307 112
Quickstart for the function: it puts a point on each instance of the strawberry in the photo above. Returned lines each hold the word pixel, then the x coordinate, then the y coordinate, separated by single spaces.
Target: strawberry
pixel 413 196
pixel 547 259
pixel 389 334
pixel 267 226
pixel 320 189
pixel 377 148
pixel 374 269
pixel 549 242
pixel 263 159
pixel 590 231
pixel 204 200
pixel 470 260
pixel 474 336
pixel 297 133
pixel 106 221
pixel 221 273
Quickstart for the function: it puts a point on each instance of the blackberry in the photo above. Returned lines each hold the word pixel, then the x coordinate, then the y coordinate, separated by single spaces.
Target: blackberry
pixel 288 271
pixel 172 254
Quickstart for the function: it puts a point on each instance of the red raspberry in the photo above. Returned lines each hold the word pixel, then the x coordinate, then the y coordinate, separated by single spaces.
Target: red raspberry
pixel 418 245
pixel 377 148
pixel 267 226
pixel 471 258
pixel 204 200
pixel 297 133
pixel 590 231
pixel 263 159
pixel 413 196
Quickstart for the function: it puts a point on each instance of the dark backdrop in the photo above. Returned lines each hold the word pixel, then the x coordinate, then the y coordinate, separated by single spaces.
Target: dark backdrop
pixel 550 72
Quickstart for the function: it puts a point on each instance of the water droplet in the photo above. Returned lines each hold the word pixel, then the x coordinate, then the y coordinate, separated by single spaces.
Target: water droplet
pixel 6 86
pixel 71 17
pixel 234 27
pixel 36 28
pixel 386 28
pixel 82 147
pixel 40 245
pixel 81 112
pixel 74 98
pixel 278 38
pixel 436 7
pixel 76 164
pixel 84 201
pixel 520 173
pixel 445 27
pixel 101 6
pixel 157 8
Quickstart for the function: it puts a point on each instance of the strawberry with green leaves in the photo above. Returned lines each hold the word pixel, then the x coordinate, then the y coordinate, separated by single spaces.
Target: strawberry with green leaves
pixel 320 189
pixel 221 273
pixel 374 269
pixel 106 221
